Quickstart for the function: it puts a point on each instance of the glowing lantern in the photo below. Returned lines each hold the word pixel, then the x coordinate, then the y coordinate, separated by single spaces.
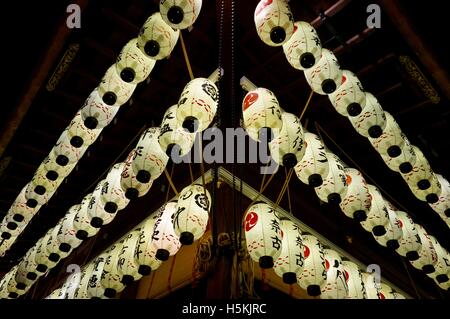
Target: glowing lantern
pixel 94 287
pixel 9 290
pixel 40 184
pixel 372 285
pixel 132 64
pixel 442 206
pixel 287 148
pixel 81 290
pixel 349 99
pixel 274 22
pixel 393 231
pixel 164 239
pixel 26 274
pixel 66 152
pixel 372 120
pixel 391 140
pixel 422 181
pixel 128 179
pixel 180 14
pixel 289 264
pixel 191 217
pixel 442 266
pixel 326 76
pixel 197 104
pixel 156 38
pixel 314 167
pixel 378 216
pixel 261 114
pixel 71 284
pixel 95 113
pixel 54 254
pixel 112 195
pixel 57 166
pixel 150 160
pixel 336 284
pixel 42 255
pixel 127 266
pixel 5 244
pixel 145 252
pixel 110 278
pixel 67 232
pixel 386 292
pixel 410 243
pixel 11 229
pixel 404 162
pixel 96 208
pixel 113 90
pixel 354 280
pixel 304 48
pixel 427 254
pixel 334 186
pixel 55 294
pixel 314 274
pixel 79 135
pixel 356 202
pixel 38 194
pixel 82 221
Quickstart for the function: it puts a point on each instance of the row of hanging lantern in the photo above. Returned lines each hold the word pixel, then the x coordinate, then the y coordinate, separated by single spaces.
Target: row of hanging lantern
pixel 156 40
pixel 299 258
pixel 303 49
pixel 335 183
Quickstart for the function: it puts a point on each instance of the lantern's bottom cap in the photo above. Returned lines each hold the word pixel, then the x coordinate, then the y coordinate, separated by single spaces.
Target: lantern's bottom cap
pixel 313 290
pixel 266 262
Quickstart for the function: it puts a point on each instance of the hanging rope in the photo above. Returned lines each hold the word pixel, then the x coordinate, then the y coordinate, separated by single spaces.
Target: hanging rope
pixel 168 188
pixel 288 192
pixel 186 57
pixel 306 105
pixel 169 179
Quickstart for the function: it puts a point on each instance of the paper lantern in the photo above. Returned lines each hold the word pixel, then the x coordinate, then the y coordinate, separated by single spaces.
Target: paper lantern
pixel 150 160
pixel 42 184
pixel 82 221
pixel 422 181
pixel 11 291
pixel 197 105
pixel 96 208
pixel 326 76
pixel 164 239
pixel 54 254
pixel 11 229
pixel 113 90
pixel 288 147
pixel 391 140
pixel 95 289
pixel 303 49
pixel 112 195
pixel 336 284
pixel 372 120
pixel 81 290
pixel 191 217
pixel 427 254
pixel 261 114
pixel 349 98
pixel 42 255
pixel 372 285
pixel 79 135
pixel 67 233
pixel 274 22
pixel 334 186
pixel 110 278
pixel 404 162
pixel 55 294
pixel 314 274
pixel 5 244
pixel 442 206
pixel 27 267
pixel 314 166
pixel 95 113
pixel 409 243
pixel 289 264
pixel 71 284
pixel 66 152
pixel 173 135
pixel 356 202
pixel 393 231
pixel 443 285
pixel 145 252
pixel 263 234
pixel 156 38
pixel 353 277
pixel 386 292
pixel 127 266
pixel 442 266
pixel 4 293
pixel 378 216
pixel 180 14
pixel 129 182
pixel 57 166
pixel 132 64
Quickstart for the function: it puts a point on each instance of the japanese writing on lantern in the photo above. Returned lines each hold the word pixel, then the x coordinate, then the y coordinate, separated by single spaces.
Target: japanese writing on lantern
pixel 276 242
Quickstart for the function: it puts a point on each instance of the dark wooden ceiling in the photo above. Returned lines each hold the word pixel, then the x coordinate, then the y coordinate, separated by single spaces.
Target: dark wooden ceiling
pixel 108 24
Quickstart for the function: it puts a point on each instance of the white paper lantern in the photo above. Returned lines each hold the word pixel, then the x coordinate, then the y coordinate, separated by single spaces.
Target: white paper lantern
pixel 326 75
pixel 5 244
pixel 404 162
pixel 156 38
pixel 95 113
pixel 82 221
pixel 172 134
pixel 180 14
pixel 113 90
pixel 12 291
pixel 336 284
pixel 55 294
pixel 274 21
pixel 4 293
pixel 289 264
pixel 112 195
pixel 95 289
pixel 81 290
pixel 314 166
pixel 28 266
pixel 288 147
pixel 378 216
pixel 65 152
pixel 71 284
pixel 57 166
pixel 96 208
pixel 391 140
pixel 442 266
pixel 372 120
pixel 393 231
pixel 150 160
pixel 314 274
pixel 145 252
pixel 334 186
pixel 67 233
pixel 128 179
pixel 191 217
pixel 427 254
pixel 349 99
pixel 10 229
pixel 304 48
pixel 110 278
pixel 372 285
pixel 132 64
pixel 41 184
pixel 356 202
pixel 197 105
pixel 43 262
pixel 410 243
pixel 79 135
pixel 54 254
pixel 164 239
pixel 355 284
pixel 261 112
pixel 442 206
pixel 127 266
